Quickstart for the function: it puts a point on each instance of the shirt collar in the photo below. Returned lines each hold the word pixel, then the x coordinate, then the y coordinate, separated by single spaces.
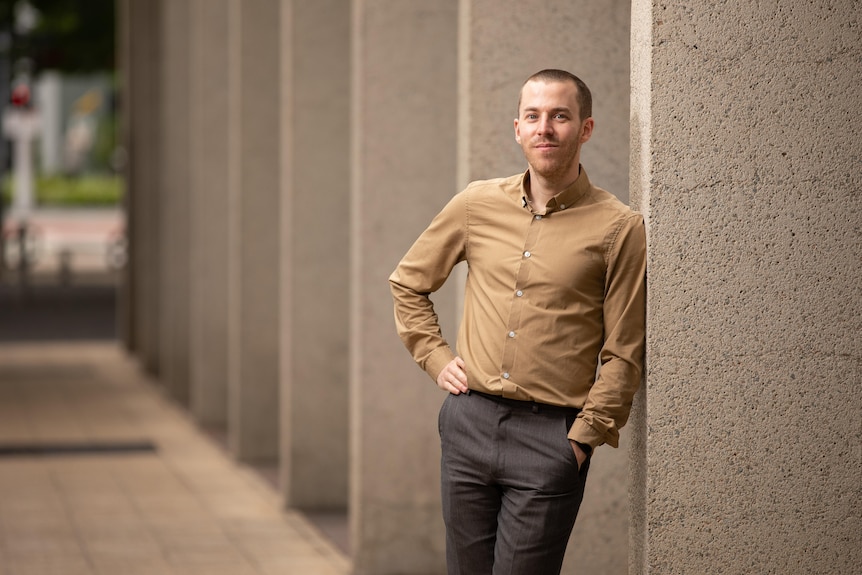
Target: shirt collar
pixel 565 199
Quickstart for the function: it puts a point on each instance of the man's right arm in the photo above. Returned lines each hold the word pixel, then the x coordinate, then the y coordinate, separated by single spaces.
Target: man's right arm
pixel 422 271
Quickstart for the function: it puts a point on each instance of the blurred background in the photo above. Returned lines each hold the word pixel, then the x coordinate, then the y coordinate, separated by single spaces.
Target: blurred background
pixel 60 190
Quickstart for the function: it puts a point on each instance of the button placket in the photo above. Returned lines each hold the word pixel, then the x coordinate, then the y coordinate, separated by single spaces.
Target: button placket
pixel 514 319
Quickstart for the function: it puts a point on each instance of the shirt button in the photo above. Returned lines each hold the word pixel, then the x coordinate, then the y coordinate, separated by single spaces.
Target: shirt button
pixel 506 375
pixel 511 334
pixel 538 217
pixel 562 206
pixel 519 293
pixel 527 254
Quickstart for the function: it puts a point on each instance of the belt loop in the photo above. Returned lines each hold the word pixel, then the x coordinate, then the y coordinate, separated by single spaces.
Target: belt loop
pixel 535 408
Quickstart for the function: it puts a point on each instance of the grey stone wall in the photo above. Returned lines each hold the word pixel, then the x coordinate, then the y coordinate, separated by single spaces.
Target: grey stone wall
pixel 315 253
pixel 403 172
pixel 140 33
pixel 255 180
pixel 746 123
pixel 209 188
pixel 173 204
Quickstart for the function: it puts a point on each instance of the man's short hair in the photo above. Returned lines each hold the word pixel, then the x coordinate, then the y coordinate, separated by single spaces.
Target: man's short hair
pixel 585 97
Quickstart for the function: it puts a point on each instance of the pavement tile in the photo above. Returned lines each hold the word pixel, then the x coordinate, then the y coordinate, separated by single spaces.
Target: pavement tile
pixel 204 552
pixel 300 565
pixel 129 544
pixel 28 506
pixel 100 505
pixel 41 545
pixel 132 566
pixel 95 521
pixel 43 521
pixel 185 509
pixel 228 569
pixel 262 529
pixel 49 565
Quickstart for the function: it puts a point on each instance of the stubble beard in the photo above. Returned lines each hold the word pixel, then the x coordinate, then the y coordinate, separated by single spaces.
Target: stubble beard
pixel 557 167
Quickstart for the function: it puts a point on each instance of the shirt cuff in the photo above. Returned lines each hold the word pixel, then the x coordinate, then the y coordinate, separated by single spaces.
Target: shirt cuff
pixel 438 359
pixel 580 432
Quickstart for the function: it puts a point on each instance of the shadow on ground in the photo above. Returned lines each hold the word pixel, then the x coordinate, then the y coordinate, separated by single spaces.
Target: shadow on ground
pixel 57 312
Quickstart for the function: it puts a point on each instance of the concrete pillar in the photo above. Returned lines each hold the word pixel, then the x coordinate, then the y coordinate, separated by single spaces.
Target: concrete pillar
pixel 173 189
pixel 140 101
pixel 210 137
pixel 254 229
pixel 746 129
pixel 498 51
pixel 403 165
pixel 126 289
pixel 315 253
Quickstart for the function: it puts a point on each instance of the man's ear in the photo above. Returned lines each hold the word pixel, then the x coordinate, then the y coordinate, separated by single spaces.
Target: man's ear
pixel 517 132
pixel 587 129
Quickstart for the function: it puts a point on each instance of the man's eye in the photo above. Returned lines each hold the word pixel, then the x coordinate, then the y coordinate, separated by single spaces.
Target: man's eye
pixel 532 116
pixel 561 117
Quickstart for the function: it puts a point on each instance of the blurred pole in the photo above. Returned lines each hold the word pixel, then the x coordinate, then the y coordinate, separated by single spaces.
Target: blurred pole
pixel 23 258
pixel 5 47
pixel 21 123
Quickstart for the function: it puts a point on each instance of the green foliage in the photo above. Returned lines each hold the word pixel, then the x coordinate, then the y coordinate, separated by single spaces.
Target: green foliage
pixel 83 191
pixel 104 145
pixel 71 36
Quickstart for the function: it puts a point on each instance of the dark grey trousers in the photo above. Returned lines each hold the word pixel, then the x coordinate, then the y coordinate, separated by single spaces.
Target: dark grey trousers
pixel 510 484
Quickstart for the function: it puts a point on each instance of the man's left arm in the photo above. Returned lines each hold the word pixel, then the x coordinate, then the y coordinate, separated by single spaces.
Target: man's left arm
pixel 610 399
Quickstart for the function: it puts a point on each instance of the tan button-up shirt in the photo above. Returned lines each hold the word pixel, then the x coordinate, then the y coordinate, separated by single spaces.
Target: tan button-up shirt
pixel 548 296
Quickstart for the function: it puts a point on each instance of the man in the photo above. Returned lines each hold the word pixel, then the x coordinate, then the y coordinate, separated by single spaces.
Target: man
pixel 555 286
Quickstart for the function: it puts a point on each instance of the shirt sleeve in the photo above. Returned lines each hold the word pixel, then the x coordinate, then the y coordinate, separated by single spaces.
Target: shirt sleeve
pixel 422 271
pixel 610 399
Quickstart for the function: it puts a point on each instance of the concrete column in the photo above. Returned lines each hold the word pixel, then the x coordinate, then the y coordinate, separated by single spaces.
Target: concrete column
pixel 498 51
pixel 254 229
pixel 746 129
pixel 209 113
pixel 403 165
pixel 140 100
pixel 173 190
pixel 315 253
pixel 126 290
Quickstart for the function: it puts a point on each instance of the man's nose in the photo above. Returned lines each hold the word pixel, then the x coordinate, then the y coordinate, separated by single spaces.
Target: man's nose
pixel 545 126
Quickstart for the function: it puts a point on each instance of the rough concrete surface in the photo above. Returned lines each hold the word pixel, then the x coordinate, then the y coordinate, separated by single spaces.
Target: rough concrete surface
pixel 750 179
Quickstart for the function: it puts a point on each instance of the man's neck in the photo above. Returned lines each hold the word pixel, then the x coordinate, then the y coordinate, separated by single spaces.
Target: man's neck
pixel 543 189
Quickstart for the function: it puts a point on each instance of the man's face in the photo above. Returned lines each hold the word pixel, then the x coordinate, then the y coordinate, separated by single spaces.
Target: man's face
pixel 550 130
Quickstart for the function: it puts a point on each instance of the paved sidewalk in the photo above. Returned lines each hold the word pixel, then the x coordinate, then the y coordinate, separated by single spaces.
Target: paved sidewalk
pixel 81 493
